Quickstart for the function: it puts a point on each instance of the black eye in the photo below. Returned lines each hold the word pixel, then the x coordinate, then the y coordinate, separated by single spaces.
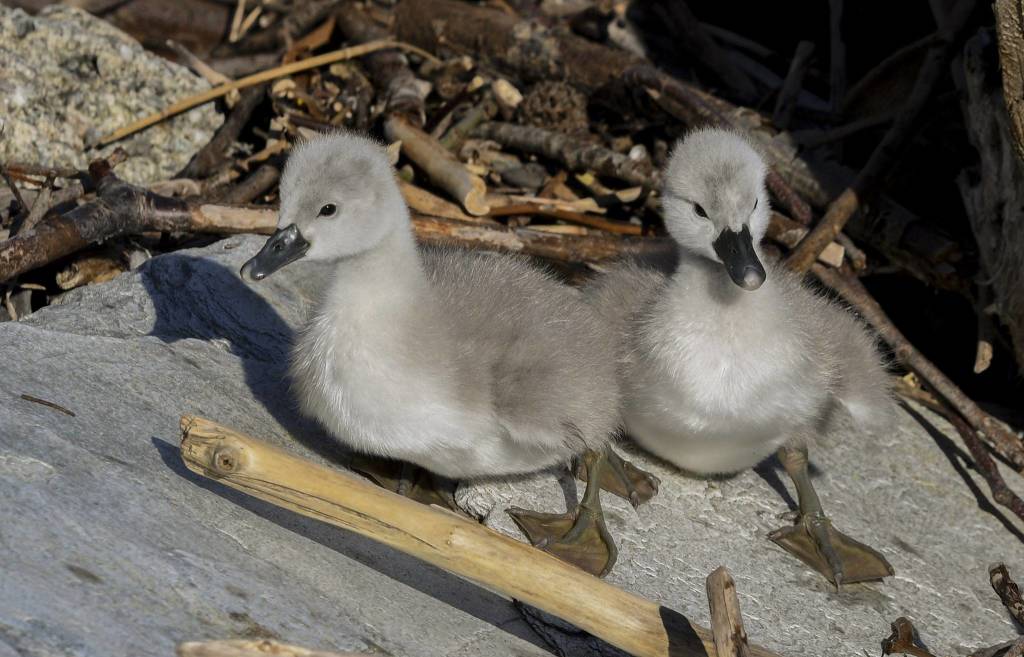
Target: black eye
pixel 328 210
pixel 755 203
pixel 699 210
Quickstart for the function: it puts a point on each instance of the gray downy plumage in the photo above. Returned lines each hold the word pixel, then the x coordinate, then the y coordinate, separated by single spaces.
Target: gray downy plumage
pixel 720 369
pixel 468 364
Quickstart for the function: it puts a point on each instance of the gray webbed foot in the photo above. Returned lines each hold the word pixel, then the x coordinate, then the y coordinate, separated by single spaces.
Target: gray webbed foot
pixel 621 478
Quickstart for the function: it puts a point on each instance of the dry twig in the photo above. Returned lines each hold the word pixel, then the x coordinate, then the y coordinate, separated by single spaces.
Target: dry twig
pixel 1007 590
pixel 443 169
pixel 571 153
pixel 726 621
pixel 258 78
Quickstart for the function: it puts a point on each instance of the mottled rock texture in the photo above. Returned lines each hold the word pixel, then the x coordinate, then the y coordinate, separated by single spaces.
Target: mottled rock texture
pixel 68 78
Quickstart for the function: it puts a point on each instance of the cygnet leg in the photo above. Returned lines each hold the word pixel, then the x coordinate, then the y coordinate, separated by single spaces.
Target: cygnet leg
pixel 813 539
pixel 579 536
pixel 622 478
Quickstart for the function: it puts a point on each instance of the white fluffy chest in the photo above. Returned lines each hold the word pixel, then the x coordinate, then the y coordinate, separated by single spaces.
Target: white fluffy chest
pixel 717 390
pixel 373 392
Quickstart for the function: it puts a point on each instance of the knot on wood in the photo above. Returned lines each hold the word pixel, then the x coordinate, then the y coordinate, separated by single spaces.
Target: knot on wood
pixel 227 460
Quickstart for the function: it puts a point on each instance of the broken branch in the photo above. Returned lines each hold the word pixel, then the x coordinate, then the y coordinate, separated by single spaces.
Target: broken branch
pixel 445 540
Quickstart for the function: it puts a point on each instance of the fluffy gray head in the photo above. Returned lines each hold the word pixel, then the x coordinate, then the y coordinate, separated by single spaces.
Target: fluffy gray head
pixel 339 191
pixel 714 182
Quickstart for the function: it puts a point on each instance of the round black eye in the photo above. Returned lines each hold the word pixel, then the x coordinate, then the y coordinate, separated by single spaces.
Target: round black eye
pixel 328 210
pixel 699 210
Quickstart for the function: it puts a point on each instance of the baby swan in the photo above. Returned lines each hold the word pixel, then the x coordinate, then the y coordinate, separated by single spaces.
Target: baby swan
pixel 467 364
pixel 727 360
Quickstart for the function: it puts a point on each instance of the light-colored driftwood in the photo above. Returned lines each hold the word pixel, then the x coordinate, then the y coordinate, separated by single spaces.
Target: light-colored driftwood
pixel 443 168
pixel 421 201
pixel 253 648
pixel 443 539
pixel 788 233
pixel 726 621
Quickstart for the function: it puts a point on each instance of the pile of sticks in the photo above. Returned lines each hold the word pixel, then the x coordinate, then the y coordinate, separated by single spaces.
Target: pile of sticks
pixel 521 127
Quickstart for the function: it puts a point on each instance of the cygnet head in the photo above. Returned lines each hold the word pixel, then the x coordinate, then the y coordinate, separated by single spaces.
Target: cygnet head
pixel 715 201
pixel 338 198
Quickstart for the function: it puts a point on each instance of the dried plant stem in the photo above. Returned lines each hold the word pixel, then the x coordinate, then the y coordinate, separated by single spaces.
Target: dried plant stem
pixel 196 100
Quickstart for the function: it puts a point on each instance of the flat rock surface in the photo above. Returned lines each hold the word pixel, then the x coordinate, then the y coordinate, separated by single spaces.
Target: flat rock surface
pixel 68 78
pixel 109 546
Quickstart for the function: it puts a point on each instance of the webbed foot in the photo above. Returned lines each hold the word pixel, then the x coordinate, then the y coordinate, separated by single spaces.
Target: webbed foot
pixel 407 480
pixel 813 539
pixel 621 478
pixel 841 559
pixel 580 536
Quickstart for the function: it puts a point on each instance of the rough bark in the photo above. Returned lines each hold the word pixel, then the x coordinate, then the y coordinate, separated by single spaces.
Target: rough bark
pixel 574 154
pixel 397 86
pixel 993 192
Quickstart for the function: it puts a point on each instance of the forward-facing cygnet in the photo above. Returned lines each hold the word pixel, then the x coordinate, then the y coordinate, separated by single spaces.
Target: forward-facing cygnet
pixel 470 365
pixel 727 360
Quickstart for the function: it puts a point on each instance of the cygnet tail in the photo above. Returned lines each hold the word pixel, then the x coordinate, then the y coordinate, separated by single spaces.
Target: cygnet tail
pixel 865 386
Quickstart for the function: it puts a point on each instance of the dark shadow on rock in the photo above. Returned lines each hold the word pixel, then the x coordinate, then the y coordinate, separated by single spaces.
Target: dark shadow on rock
pixel 768 471
pixel 195 298
pixel 425 578
pixel 961 462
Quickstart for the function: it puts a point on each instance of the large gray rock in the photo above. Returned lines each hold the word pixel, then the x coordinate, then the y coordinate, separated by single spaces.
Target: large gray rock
pixel 108 545
pixel 68 78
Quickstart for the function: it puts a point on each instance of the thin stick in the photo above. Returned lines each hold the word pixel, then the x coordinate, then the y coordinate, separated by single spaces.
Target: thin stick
pixel 726 621
pixel 443 539
pixel 1007 444
pixel 984 463
pixel 786 101
pixel 253 648
pixel 50 404
pixel 264 76
pixel 592 221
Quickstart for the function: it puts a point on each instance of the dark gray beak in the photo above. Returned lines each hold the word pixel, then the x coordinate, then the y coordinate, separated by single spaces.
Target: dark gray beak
pixel 285 246
pixel 737 253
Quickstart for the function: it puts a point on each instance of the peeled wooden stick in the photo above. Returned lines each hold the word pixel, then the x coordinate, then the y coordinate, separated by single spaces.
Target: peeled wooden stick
pixel 443 539
pixel 726 621
pixel 443 168
pixel 253 648
pixel 256 78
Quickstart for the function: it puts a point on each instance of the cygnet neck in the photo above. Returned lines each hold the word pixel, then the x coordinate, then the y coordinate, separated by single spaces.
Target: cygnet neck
pixel 390 273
